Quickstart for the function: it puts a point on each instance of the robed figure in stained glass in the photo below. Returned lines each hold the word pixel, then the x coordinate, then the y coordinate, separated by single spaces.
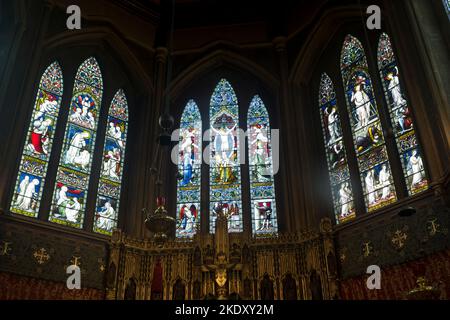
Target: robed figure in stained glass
pixel 261 153
pixel 361 101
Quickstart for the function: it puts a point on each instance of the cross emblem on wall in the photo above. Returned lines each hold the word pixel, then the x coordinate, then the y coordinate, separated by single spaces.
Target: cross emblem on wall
pixel 399 239
pixel 41 256
pixel 433 227
pixel 5 248
pixel 75 261
pixel 367 248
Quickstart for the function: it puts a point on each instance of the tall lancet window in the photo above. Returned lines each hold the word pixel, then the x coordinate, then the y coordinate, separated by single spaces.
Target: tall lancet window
pixel 109 188
pixel 38 143
pixel 189 172
pixel 72 180
pixel 262 186
pixel 374 167
pixel 339 173
pixel 401 118
pixel 225 170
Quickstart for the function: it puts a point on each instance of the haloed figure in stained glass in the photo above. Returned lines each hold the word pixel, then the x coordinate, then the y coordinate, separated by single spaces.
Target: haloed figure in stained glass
pixel 345 198
pixel 83 111
pixel 401 112
pixel 224 148
pixel 106 216
pixel 68 206
pixel 27 193
pixel 188 217
pixel 361 102
pixel 333 124
pixel 77 155
pixel 42 125
pixel 264 217
pixel 261 152
pixel 187 155
pixel 416 171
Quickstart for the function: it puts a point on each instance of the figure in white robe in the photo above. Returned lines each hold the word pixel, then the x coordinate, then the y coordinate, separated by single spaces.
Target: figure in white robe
pixel 362 103
pixel 370 190
pixel 90 120
pixel 223 136
pixel 76 144
pixel 112 129
pixel 394 88
pixel 384 178
pixel 106 217
pixel 110 165
pixel 30 192
pixel 83 159
pixel 345 197
pixel 333 125
pixel 22 189
pixel 62 197
pixel 39 136
pixel 72 210
pixel 48 107
pixel 416 168
pixel 116 133
pixel 119 137
pixel 76 116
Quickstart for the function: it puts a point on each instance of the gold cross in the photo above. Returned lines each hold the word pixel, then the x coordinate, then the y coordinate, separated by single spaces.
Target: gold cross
pixel 433 227
pixel 41 256
pixel 4 250
pixel 75 261
pixel 399 239
pixel 366 249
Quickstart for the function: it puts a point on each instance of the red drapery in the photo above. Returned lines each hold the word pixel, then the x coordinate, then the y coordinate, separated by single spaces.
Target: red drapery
pixel 397 281
pixel 14 287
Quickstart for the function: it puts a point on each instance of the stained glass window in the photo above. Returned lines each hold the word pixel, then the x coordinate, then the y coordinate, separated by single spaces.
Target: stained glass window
pixel 189 172
pixel 374 167
pixel 341 188
pixel 262 187
pixel 72 180
pixel 38 144
pixel 108 198
pixel 225 170
pixel 447 6
pixel 401 119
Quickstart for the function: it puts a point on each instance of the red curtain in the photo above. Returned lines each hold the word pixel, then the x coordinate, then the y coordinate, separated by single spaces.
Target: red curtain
pixel 397 281
pixel 14 287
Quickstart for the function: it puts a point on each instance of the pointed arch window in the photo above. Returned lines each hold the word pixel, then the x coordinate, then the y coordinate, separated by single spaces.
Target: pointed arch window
pixel 262 186
pixel 373 162
pixel 72 180
pixel 225 170
pixel 38 145
pixel 338 170
pixel 401 118
pixel 108 197
pixel 189 172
